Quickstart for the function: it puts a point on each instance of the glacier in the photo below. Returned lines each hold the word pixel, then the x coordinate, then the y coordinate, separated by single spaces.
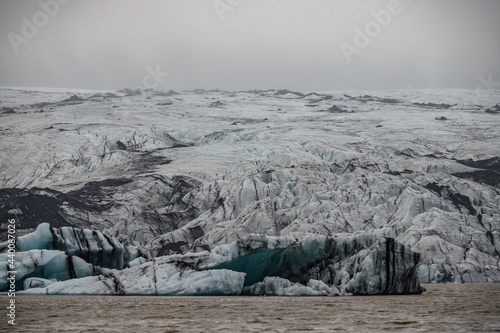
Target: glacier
pixel 361 264
pixel 126 178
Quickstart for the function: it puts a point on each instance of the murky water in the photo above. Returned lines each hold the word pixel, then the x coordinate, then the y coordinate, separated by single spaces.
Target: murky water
pixel 443 308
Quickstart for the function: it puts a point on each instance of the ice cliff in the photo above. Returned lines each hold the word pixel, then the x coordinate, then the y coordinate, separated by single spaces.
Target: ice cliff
pixel 360 263
pixel 92 246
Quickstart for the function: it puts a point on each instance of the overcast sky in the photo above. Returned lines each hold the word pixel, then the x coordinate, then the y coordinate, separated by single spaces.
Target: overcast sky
pixel 302 45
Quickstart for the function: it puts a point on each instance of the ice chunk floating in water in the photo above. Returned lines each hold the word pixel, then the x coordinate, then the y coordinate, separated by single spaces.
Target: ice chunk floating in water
pixel 93 246
pixel 363 264
pixel 46 265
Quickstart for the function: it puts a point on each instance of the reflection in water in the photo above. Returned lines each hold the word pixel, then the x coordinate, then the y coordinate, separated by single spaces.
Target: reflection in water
pixel 442 308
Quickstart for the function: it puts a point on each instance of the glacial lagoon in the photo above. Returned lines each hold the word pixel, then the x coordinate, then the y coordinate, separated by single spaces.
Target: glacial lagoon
pixel 442 308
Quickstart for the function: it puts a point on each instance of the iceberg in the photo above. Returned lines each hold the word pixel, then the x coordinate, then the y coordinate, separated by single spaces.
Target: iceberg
pixel 91 245
pixel 276 286
pixel 316 265
pixel 156 277
pixel 46 265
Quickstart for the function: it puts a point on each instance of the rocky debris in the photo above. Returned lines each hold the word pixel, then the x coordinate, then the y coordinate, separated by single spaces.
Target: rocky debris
pixel 489 164
pixel 32 207
pixel 434 105
pixel 130 92
pixel 398 173
pixel 99 97
pixel 335 109
pixel 6 110
pixel 217 104
pixel 166 93
pixel 368 98
pixel 120 145
pixel 315 98
pixel 286 92
pixel 459 200
pixel 171 93
pixel 198 91
pixel 490 173
pixel 494 110
pixel 73 98
pixel 181 145
pixel 161 208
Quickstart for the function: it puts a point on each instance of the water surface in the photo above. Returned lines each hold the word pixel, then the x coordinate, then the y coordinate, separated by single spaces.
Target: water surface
pixel 442 308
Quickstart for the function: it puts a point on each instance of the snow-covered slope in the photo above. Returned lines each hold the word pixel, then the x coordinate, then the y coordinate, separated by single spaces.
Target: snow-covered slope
pixel 180 173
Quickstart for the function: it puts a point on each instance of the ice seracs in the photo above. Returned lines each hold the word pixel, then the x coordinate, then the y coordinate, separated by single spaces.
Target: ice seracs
pixel 134 176
pixel 315 265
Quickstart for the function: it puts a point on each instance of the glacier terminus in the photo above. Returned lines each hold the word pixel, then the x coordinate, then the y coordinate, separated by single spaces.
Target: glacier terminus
pixel 262 192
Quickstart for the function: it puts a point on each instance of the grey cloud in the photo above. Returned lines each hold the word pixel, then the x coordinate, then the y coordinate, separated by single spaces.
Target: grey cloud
pixel 291 44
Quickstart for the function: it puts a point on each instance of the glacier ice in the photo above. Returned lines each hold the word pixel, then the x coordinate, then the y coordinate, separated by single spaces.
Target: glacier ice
pixel 91 245
pixel 276 286
pixel 37 282
pixel 191 179
pixel 257 265
pixel 46 264
pixel 41 239
pixel 152 278
pixel 354 263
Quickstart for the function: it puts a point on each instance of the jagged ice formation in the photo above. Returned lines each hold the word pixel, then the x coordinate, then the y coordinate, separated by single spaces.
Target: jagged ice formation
pixel 147 174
